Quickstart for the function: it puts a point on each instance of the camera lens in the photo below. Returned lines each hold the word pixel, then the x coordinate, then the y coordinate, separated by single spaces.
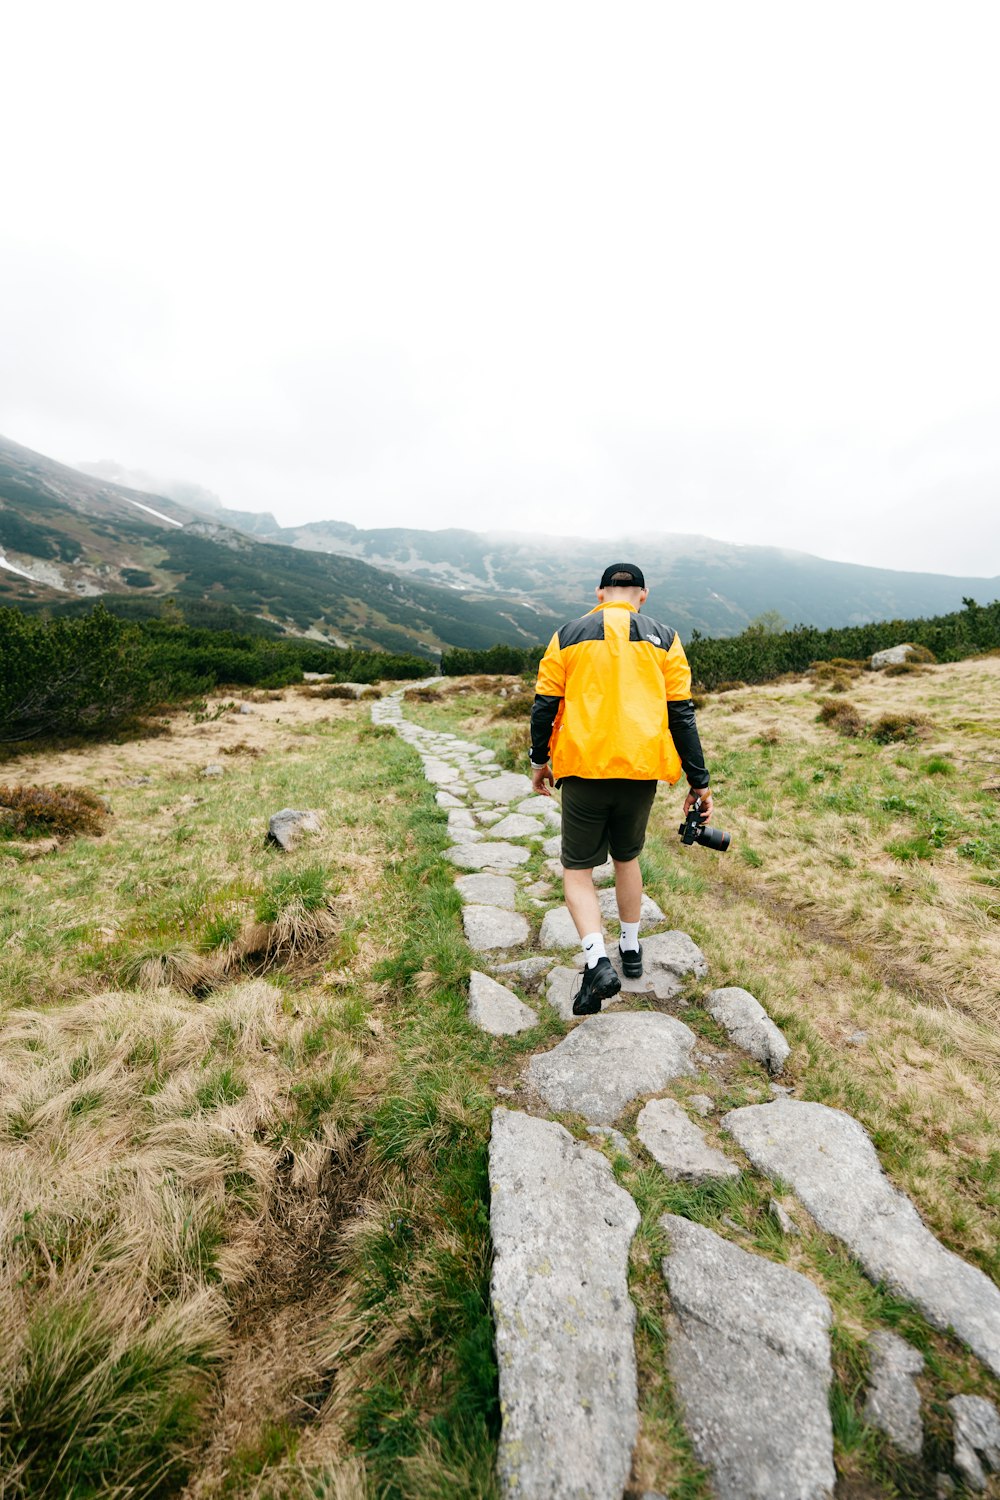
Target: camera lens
pixel 714 838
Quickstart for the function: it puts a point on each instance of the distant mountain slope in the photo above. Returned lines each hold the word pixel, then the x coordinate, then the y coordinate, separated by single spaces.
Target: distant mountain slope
pixel 716 587
pixel 66 535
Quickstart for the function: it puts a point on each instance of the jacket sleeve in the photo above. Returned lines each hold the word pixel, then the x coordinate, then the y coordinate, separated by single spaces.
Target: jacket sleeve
pixel 680 716
pixel 549 690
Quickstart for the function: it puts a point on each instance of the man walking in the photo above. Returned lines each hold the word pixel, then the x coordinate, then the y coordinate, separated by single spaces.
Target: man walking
pixel 613 710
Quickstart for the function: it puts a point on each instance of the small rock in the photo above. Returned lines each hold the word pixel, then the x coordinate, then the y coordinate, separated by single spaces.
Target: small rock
pixel 487 890
pixel 287 826
pixel 732 1224
pixel 749 1354
pixel 780 1090
pixel 945 1486
pixel 977 1438
pixel 494 1008
pixel 609 1061
pixel 539 889
pixel 245 708
pixel 488 927
pixel 507 1093
pixel 749 1026
pixel 214 770
pixel 139 781
pixel 857 1038
pixel 677 1144
pixel 701 1104
pixel 893 1401
pixel 541 807
pixel 553 847
pixel 616 1138
pixel 786 1223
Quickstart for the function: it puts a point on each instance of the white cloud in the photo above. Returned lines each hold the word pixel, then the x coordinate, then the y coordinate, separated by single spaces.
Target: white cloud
pixel 555 267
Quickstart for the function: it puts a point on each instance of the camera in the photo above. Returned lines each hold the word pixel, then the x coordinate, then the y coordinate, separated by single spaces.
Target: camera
pixel 694 831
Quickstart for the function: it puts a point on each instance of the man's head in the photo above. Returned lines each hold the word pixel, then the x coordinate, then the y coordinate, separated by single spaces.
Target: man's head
pixel 622 582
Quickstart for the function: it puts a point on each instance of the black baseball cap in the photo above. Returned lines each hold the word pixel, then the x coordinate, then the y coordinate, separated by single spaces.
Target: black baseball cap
pixel 622 576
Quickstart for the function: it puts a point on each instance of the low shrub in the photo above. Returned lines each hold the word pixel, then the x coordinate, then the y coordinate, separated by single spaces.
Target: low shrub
pixel 729 686
pixel 518 707
pixel 890 728
pixel 902 669
pixel 843 717
pixel 50 812
pixel 422 695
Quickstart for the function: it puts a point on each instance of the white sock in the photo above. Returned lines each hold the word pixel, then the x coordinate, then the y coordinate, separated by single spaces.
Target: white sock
pixel 593 948
pixel 630 936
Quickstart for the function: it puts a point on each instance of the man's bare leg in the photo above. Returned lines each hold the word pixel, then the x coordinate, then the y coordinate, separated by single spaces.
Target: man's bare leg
pixel 628 889
pixel 581 899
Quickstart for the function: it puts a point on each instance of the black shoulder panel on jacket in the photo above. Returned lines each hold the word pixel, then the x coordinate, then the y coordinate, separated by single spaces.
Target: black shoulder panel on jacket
pixel 587 628
pixel 642 628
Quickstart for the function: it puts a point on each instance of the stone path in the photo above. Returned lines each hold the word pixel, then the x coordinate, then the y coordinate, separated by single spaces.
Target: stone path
pixel 749 1347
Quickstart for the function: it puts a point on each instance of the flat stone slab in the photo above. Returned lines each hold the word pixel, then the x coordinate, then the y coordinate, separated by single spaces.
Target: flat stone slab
pixel 650 914
pixel 977 1438
pixel 749 1026
pixel 447 799
pixel 487 890
pixel 830 1162
pixel 487 855
pixel 610 1060
pixel 553 847
pixel 507 787
pixel 681 1149
pixel 488 927
pixel 558 930
pixel 893 1401
pixel 461 824
pixel 496 1009
pixel 528 970
pixel 541 807
pixel 749 1355
pixel 517 826
pixel 561 1230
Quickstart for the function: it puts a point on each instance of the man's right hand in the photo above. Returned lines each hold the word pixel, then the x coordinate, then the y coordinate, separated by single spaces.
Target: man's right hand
pixel 706 803
pixel 540 775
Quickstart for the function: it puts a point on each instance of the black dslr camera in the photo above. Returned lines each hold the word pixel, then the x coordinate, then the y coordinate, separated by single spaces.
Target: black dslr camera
pixel 694 831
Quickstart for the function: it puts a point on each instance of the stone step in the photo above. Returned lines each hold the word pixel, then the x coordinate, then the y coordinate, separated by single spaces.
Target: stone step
pixel 490 927
pixel 496 1009
pixel 562 1228
pixel 487 855
pixel 677 1144
pixel 749 1355
pixel 828 1159
pixel 749 1027
pixel 608 1061
pixel 487 890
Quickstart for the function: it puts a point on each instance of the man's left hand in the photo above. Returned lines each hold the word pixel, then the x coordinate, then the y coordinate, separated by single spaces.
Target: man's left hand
pixel 706 803
pixel 540 775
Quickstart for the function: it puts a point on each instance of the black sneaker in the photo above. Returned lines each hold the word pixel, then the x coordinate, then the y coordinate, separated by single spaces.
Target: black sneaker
pixel 599 983
pixel 631 961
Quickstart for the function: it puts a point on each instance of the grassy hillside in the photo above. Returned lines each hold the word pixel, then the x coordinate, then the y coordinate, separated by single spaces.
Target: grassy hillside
pixel 696 583
pixel 244 1118
pixel 76 536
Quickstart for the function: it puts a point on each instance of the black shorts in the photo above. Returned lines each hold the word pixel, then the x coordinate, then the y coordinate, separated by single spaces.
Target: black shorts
pixel 598 815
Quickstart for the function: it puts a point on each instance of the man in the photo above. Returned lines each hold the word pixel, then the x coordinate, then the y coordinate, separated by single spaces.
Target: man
pixel 613 709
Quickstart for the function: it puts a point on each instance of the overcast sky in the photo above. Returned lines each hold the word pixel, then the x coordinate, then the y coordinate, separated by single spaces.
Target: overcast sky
pixel 593 268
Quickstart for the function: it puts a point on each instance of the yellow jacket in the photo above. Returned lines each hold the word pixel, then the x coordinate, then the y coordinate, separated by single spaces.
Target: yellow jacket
pixel 605 686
